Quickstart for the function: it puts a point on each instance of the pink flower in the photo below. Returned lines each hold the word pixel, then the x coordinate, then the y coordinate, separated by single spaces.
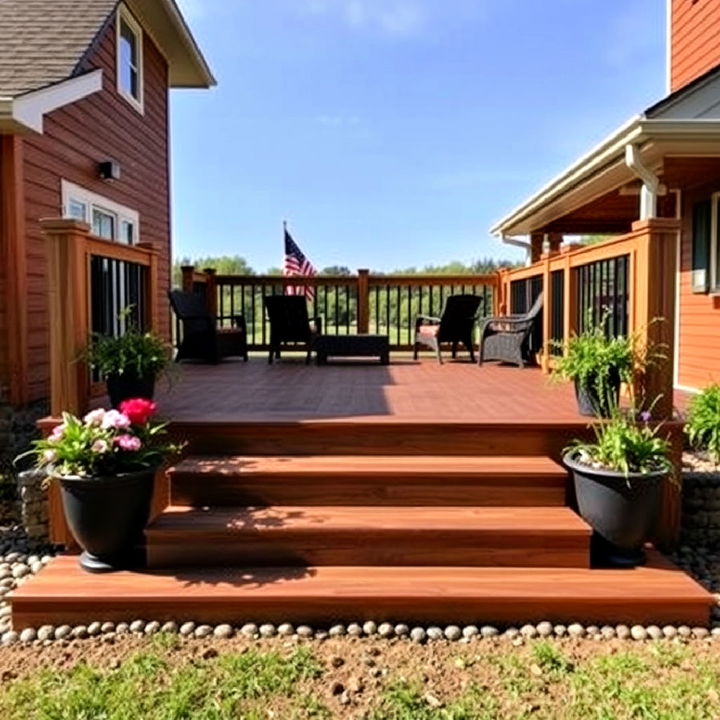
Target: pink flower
pixel 128 442
pixel 49 456
pixel 94 418
pixel 115 420
pixel 139 410
pixel 57 433
pixel 100 447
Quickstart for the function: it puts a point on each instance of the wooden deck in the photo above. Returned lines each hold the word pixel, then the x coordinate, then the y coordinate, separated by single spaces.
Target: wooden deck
pixel 404 391
pixel 412 491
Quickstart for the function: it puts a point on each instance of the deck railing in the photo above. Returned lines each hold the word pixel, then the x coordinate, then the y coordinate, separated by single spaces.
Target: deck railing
pixel 629 278
pixel 91 282
pixel 361 303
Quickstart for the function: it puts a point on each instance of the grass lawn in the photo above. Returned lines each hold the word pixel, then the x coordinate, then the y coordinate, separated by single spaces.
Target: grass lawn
pixel 164 678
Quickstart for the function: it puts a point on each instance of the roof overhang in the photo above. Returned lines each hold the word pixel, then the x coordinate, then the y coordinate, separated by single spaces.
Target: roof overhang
pixel 166 25
pixel 26 112
pixel 604 169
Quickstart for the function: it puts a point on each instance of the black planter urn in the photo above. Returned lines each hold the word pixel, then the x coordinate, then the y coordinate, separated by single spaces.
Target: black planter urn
pixel 590 404
pixel 128 386
pixel 107 516
pixel 620 509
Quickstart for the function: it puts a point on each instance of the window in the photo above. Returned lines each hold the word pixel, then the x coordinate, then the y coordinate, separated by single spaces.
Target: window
pixel 108 219
pixel 129 59
pixel 706 245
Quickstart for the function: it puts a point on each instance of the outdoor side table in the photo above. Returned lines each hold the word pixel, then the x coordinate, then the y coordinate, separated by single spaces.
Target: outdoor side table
pixel 352 346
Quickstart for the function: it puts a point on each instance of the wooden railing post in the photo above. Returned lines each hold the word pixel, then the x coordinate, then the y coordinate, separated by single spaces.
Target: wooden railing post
pixel 152 300
pixel 363 301
pixel 69 314
pixel 547 312
pixel 211 298
pixel 569 295
pixel 188 273
pixel 655 304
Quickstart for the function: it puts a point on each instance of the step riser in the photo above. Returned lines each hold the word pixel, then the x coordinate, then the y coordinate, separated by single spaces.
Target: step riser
pixel 202 491
pixel 358 438
pixel 323 612
pixel 374 551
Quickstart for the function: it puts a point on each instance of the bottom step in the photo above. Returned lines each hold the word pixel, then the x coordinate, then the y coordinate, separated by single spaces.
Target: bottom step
pixel 658 593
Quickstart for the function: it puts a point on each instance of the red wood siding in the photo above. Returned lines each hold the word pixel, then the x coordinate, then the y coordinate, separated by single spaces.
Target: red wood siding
pixel 5 198
pixel 699 327
pixel 102 127
pixel 695 46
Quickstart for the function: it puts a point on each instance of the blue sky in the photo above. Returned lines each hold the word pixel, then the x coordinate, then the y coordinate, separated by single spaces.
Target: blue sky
pixel 393 133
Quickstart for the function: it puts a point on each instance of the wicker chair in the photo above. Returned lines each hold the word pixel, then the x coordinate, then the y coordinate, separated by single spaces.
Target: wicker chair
pixel 289 323
pixel 202 339
pixel 455 326
pixel 506 338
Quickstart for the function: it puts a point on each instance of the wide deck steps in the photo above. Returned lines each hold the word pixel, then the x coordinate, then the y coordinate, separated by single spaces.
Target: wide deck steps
pixel 367 535
pixel 658 593
pixel 427 480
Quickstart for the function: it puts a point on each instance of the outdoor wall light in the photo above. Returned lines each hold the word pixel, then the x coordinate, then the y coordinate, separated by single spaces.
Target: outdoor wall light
pixel 109 170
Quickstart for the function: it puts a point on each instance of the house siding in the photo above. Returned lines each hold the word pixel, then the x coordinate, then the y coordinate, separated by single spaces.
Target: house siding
pixel 699 313
pixel 6 194
pixel 695 40
pixel 76 138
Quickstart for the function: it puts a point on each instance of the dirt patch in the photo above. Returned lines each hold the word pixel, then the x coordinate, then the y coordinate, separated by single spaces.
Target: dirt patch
pixel 367 678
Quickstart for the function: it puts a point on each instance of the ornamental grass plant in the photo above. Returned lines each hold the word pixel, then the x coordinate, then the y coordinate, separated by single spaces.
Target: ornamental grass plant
pixel 703 422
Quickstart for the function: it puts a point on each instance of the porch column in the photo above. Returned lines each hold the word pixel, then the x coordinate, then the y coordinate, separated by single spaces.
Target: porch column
pixel 554 242
pixel 69 314
pixel 656 264
pixel 536 246
pixel 363 301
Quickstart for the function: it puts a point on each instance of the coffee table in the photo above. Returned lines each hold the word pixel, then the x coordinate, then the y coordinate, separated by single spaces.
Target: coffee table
pixel 326 346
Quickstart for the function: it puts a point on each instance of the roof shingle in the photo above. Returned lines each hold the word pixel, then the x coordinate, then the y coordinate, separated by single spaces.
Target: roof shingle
pixel 42 41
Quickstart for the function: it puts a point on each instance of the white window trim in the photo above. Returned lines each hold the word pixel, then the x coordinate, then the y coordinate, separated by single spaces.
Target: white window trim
pixel 138 103
pixel 713 259
pixel 71 191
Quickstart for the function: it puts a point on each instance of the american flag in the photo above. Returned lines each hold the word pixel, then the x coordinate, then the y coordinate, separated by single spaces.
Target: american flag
pixel 297 264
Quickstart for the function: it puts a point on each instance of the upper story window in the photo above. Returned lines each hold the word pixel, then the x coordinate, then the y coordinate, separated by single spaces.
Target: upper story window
pixel 108 219
pixel 129 59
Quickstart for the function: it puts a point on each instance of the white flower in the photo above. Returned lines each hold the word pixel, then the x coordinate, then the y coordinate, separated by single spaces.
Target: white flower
pixel 49 456
pixel 115 420
pixel 94 418
pixel 100 447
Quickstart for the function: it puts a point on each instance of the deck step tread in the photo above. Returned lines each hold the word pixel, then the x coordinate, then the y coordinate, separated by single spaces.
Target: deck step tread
pixel 281 519
pixel 362 465
pixel 658 592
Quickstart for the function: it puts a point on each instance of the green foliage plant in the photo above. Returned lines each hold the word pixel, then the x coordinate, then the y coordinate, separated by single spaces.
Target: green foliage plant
pixel 137 353
pixel 703 421
pixel 627 443
pixel 596 361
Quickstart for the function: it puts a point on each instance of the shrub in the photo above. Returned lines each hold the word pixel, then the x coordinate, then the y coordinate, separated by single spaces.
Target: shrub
pixel 141 354
pixel 703 421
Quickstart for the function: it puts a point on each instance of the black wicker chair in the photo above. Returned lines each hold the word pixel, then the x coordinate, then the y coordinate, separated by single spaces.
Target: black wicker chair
pixel 507 338
pixel 290 324
pixel 456 325
pixel 201 338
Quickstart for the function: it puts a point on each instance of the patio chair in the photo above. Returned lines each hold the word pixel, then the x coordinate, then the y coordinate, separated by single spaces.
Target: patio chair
pixel 454 326
pixel 202 339
pixel 290 324
pixel 507 338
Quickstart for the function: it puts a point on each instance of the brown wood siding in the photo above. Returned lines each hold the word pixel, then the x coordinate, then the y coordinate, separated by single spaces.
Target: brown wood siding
pixel 695 45
pixel 699 326
pixel 76 138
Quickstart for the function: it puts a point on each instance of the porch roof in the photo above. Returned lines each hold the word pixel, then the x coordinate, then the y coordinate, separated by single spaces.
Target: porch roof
pixel 686 123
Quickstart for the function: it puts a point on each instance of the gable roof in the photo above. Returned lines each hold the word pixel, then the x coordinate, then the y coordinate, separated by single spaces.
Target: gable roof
pixel 42 42
pixel 686 122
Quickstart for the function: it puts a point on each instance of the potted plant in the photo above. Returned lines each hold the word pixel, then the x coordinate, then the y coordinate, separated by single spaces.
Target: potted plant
pixel 105 464
pixel 618 484
pixel 129 363
pixel 598 364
